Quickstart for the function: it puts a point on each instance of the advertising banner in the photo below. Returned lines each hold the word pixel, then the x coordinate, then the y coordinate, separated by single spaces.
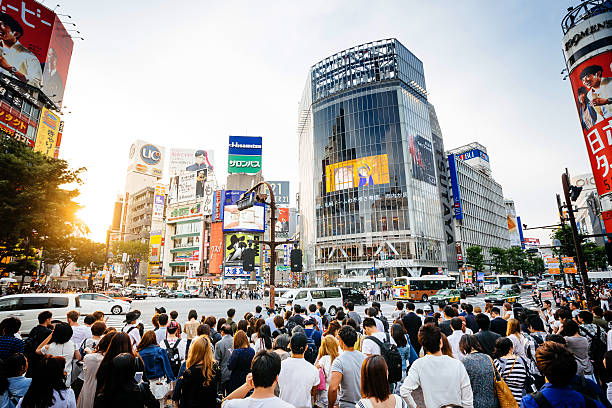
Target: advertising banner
pixel 569 266
pixel 189 160
pixel 236 243
pixel 515 238
pixel 239 272
pixel 185 212
pixel 586 181
pixel 245 145
pixel 15 125
pixel 243 164
pixel 146 158
pixel 553 266
pixel 421 152
pixel 186 187
pixel 36 47
pixel 474 154
pixel 452 169
pixel 216 248
pixel 444 187
pixel 159 200
pixel 281 192
pixel 282 223
pixel 365 171
pixel 155 247
pixel 217 215
pixel 46 137
pixel 251 219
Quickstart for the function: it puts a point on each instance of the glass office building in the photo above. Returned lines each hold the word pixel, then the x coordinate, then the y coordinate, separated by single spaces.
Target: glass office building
pixel 369 196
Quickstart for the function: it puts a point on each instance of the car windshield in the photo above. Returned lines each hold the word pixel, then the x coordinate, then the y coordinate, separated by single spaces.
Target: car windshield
pixel 443 292
pixel 289 294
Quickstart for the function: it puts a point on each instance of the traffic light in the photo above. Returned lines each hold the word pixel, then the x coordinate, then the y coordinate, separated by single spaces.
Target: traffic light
pixel 296 260
pixel 248 259
pixel 574 192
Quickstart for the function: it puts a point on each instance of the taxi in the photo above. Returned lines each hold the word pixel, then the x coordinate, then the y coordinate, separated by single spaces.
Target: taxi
pixel 504 295
pixel 448 296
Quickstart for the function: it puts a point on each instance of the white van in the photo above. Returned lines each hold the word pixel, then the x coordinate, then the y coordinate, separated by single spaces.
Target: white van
pixel 331 298
pixel 27 306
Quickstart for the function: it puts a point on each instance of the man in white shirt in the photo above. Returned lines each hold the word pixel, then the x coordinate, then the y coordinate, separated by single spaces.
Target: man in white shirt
pixel 444 380
pixel 456 325
pixel 600 93
pixel 131 328
pixel 298 379
pixel 79 333
pixel 15 58
pixel 160 333
pixel 264 376
pixel 369 346
pixel 372 312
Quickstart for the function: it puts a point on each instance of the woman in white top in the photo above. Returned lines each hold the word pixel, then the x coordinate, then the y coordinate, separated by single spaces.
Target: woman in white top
pixel 375 385
pixel 519 342
pixel 507 312
pixel 59 344
pixel 48 387
pixel 327 354
pixel 91 363
pixel 263 340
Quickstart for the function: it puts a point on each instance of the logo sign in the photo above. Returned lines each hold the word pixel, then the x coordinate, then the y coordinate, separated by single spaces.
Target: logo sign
pixel 244 164
pixel 474 154
pixel 245 145
pixel 218 205
pixel 150 154
pixel 452 169
pixel 281 192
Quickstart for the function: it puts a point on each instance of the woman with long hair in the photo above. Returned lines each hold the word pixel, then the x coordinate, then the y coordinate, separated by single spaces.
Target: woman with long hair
pixel 155 358
pixel 510 367
pixel 507 311
pixel 264 339
pixel 191 326
pixel 91 363
pixel 120 343
pixel 59 344
pixel 332 329
pixel 328 351
pixel 480 370
pixel 519 342
pixel 48 387
pixel 375 389
pixel 122 390
pixel 255 333
pixel 242 325
pixel 407 352
pixel 240 361
pixel 447 350
pixel 199 384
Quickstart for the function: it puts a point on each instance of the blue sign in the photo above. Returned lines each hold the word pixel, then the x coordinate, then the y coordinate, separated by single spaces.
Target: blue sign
pixel 452 168
pixel 150 154
pixel 239 272
pixel 520 227
pixel 245 145
pixel 232 196
pixel 473 154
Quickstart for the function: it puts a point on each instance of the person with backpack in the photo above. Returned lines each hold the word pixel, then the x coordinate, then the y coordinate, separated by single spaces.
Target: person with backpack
pixel 298 379
pixel 132 329
pixel 558 366
pixel 579 346
pixel 383 344
pixel 175 347
pixel 597 341
pixel 313 340
pixel 535 338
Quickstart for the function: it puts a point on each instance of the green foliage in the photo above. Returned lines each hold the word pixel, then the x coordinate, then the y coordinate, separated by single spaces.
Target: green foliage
pixel 89 254
pixel 595 256
pixel 138 251
pixel 499 259
pixel 564 235
pixel 474 258
pixel 517 259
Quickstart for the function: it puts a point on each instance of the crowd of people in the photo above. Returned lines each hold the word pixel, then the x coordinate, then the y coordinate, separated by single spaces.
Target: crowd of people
pixel 455 356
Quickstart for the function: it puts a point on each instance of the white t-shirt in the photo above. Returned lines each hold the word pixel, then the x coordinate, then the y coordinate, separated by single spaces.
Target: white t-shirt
pixel 65 350
pixel 182 346
pixel 80 333
pixel 296 379
pixel 370 347
pixel 134 334
pixel 251 402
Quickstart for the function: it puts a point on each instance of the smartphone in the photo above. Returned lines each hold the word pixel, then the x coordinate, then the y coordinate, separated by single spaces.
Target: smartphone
pixel 138 377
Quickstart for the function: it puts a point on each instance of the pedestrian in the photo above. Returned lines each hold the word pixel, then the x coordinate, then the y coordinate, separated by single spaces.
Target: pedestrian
pixel 239 363
pixel 265 371
pixel 199 383
pixel 36 336
pixel 253 330
pixel 79 333
pixel 510 367
pixel 486 337
pixel 9 344
pixel 223 352
pixel 350 306
pixel 173 318
pixel 443 379
pixel 375 390
pixel 328 352
pixel 215 336
pixel 346 371
pixel 454 339
pixel 279 323
pixel 122 389
pixel 131 328
pixel 579 346
pixel 264 339
pixel 519 341
pixel 13 384
pixel 191 325
pixel 48 388
pixel 175 347
pixel 498 324
pixel 161 332
pixel 58 343
pixel 157 369
pixel 281 346
pixel 370 345
pixel 230 320
pixel 507 312
pixel 298 379
pixel 120 343
pixel 481 371
pixel 91 363
pixel 412 324
pixel 559 367
pixel 405 349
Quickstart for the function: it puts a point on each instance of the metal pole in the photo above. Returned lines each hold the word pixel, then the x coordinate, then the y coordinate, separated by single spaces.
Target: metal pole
pixel 562 218
pixel 579 255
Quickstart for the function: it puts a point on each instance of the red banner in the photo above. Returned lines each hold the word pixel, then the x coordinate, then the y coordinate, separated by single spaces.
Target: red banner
pixel 216 248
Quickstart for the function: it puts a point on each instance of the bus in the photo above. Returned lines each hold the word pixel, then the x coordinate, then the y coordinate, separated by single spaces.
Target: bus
pixel 422 287
pixel 494 282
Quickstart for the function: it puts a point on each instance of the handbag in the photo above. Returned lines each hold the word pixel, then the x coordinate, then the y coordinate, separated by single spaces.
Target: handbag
pixel 322 381
pixel 159 387
pixel 502 392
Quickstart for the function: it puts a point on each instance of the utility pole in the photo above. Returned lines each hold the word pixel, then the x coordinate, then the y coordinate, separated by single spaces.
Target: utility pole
pixel 579 255
pixel 562 218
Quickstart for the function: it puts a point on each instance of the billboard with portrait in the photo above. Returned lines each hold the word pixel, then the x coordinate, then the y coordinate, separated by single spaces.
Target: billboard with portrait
pixel 146 158
pixel 36 46
pixel 365 171
pixel 180 160
pixel 251 219
pixel 282 223
pixel 421 153
pixel 236 243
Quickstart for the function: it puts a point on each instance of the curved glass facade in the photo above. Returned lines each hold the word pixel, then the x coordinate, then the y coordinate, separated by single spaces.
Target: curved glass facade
pixel 368 182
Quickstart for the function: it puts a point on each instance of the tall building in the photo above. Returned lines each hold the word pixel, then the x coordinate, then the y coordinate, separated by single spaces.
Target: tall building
pixel 368 194
pixel 480 212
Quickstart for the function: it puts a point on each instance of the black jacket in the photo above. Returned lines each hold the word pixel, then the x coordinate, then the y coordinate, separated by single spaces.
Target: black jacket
pixel 412 323
pixel 191 392
pixel 499 325
pixel 487 340
pixel 445 327
pixel 132 395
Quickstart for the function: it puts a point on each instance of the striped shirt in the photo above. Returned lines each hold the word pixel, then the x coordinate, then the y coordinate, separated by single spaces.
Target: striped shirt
pixel 513 376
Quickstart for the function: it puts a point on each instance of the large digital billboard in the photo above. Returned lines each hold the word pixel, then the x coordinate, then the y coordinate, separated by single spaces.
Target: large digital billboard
pixel 216 248
pixel 236 243
pixel 421 153
pixel 365 171
pixel 35 46
pixel 251 219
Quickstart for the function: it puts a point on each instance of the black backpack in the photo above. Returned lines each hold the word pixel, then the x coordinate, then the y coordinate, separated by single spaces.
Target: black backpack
pixel 173 356
pixel 312 351
pixel 392 357
pixel 598 348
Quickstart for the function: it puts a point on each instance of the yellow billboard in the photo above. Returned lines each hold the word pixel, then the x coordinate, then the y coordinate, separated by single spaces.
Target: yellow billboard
pixel 365 171
pixel 46 137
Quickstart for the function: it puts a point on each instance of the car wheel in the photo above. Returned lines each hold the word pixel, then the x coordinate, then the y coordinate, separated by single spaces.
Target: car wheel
pixel 116 310
pixel 332 310
pixel 424 298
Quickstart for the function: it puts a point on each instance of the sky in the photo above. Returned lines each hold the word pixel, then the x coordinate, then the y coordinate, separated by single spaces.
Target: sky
pixel 189 74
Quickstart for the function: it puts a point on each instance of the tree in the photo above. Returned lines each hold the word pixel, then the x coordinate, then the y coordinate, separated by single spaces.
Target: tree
pixel 89 254
pixel 60 251
pixel 499 259
pixel 23 263
pixel 137 251
pixel 517 259
pixel 474 258
pixel 35 204
pixel 595 256
pixel 565 237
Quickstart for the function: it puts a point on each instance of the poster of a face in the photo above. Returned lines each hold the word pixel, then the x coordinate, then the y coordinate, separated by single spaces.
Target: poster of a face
pixel 361 172
pixel 236 243
pixel 421 153
pixel 182 160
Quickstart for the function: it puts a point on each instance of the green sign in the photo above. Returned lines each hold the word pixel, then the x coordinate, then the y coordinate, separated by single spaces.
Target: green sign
pixel 243 164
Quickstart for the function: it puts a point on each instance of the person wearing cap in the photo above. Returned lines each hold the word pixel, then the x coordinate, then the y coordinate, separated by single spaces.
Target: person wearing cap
pixel 298 379
pixel 160 310
pixel 131 328
pixel 311 331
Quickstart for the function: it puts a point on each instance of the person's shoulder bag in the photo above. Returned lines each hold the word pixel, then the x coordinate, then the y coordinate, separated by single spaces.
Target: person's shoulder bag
pixel 502 391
